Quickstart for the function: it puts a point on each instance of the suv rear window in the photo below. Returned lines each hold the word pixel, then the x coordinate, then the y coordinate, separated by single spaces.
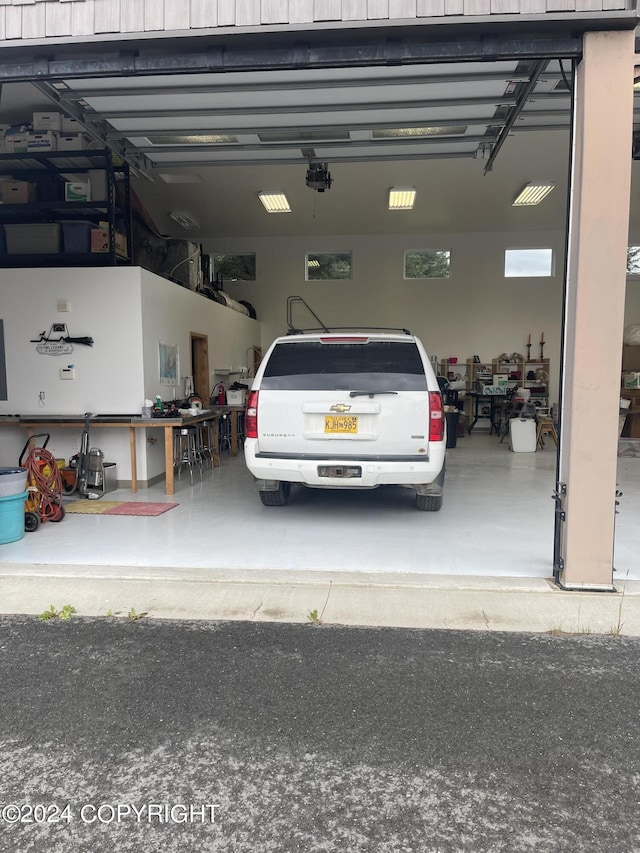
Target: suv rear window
pixel 376 366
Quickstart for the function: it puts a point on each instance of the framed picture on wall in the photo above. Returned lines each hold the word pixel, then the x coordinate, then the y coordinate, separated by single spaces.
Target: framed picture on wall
pixel 168 359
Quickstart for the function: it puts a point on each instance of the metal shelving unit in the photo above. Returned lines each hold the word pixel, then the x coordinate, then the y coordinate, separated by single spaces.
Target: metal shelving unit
pixel 47 170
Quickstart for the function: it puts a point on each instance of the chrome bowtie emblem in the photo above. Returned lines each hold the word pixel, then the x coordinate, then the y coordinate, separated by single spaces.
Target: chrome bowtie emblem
pixel 340 408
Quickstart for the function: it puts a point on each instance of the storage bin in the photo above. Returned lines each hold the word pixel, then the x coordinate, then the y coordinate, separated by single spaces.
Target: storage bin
pixel 235 398
pixel 76 237
pixel 523 435
pixel 12 518
pixel 12 481
pixel 42 238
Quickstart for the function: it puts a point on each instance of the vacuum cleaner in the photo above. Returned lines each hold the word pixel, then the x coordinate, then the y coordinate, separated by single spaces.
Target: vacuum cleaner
pixel 89 467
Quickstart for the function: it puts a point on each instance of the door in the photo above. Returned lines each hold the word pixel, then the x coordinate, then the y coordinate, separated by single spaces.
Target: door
pixel 200 366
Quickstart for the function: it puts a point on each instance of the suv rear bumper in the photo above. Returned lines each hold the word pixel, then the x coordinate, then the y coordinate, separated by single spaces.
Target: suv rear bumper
pixel 374 472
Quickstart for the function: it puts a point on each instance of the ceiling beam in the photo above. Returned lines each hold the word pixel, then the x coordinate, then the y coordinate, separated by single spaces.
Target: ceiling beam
pixel 163 166
pixel 69 63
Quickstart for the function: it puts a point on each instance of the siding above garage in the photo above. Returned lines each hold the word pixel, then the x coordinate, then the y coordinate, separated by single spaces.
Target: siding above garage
pixel 44 19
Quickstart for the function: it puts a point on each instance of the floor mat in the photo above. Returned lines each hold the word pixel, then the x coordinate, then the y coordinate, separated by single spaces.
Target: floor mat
pixel 139 508
pixel 99 507
pixel 89 507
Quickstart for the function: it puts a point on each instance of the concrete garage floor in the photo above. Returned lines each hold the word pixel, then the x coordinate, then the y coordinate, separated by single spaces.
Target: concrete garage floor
pixel 495 530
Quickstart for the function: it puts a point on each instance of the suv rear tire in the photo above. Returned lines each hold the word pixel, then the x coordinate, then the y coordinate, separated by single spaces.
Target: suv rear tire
pixel 429 503
pixel 279 497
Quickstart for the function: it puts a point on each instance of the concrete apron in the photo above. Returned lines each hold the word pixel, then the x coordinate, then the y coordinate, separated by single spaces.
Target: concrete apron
pixel 345 598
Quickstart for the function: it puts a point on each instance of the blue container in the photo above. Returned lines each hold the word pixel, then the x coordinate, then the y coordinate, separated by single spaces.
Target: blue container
pixel 12 518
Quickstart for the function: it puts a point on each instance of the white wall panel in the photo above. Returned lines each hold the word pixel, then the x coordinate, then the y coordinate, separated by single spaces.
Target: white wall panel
pixel 82 18
pixel 430 8
pixel 58 19
pixel 226 13
pixel 327 10
pixel 132 16
pixel 153 15
pixel 176 14
pixel 301 12
pixel 378 9
pixel 14 22
pixel 107 16
pixel 354 10
pixel 33 21
pixel 247 13
pixel 275 11
pixel 88 17
pixel 402 9
pixel 3 20
pixel 204 13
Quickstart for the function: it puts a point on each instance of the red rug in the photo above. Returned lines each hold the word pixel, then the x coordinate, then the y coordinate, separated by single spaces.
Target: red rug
pixel 139 508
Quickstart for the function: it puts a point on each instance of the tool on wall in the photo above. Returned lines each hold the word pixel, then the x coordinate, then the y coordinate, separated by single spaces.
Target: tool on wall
pixel 49 344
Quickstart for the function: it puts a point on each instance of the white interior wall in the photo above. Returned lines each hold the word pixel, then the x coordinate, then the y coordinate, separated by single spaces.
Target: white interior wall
pixel 127 311
pixel 474 312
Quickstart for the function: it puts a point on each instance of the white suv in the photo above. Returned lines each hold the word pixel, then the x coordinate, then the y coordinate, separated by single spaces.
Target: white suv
pixel 346 410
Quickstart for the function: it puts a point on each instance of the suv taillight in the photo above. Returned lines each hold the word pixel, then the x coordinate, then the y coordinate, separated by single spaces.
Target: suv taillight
pixel 436 417
pixel 251 416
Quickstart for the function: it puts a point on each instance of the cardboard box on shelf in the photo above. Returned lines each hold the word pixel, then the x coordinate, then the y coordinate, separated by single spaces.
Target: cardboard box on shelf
pixel 73 141
pixel 17 192
pixel 71 125
pixel 121 244
pixel 99 240
pixel 46 140
pixel 16 141
pixel 77 191
pixel 632 380
pixel 47 121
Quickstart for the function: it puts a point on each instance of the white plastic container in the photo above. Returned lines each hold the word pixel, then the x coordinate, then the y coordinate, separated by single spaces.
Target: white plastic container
pixel 13 481
pixel 522 433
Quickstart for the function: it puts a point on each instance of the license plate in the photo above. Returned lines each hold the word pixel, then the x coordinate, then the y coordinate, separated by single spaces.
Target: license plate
pixel 341 423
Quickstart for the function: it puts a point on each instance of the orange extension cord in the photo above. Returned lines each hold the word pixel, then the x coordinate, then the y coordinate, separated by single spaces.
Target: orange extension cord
pixel 47 501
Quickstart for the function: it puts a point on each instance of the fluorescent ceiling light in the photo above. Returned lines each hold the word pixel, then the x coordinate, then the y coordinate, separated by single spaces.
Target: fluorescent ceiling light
pixel 313 263
pixel 401 198
pixel 274 201
pixel 179 178
pixel 533 193
pixel 184 219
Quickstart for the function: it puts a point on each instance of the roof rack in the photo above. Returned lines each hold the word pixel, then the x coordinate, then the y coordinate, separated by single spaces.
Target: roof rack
pixel 295 330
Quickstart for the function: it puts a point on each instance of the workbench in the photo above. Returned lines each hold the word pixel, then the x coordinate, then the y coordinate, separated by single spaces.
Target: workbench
pixel 36 423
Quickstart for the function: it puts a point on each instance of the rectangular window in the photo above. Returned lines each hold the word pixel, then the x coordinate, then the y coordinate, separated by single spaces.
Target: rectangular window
pixel 633 260
pixel 328 267
pixel 427 263
pixel 528 263
pixel 234 267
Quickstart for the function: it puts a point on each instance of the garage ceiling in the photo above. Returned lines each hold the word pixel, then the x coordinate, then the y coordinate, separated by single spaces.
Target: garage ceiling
pixel 468 135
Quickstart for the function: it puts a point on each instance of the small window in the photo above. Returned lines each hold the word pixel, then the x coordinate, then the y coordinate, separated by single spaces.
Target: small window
pixel 234 267
pixel 427 263
pixel 328 267
pixel 528 263
pixel 633 260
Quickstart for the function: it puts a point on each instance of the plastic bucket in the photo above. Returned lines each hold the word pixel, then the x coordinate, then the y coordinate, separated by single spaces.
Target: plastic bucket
pixel 12 518
pixel 12 481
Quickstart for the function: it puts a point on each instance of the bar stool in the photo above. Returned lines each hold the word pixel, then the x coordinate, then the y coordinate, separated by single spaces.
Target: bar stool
pixel 208 445
pixel 225 433
pixel 185 451
pixel 545 426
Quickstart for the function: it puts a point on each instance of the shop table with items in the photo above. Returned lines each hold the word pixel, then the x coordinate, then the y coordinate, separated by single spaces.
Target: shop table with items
pixel 35 423
pixel 494 403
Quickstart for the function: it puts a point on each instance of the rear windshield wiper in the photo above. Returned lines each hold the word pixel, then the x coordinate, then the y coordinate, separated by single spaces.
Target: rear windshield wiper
pixel 369 393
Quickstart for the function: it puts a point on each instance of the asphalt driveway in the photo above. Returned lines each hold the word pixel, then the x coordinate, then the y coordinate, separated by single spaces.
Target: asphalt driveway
pixel 250 738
